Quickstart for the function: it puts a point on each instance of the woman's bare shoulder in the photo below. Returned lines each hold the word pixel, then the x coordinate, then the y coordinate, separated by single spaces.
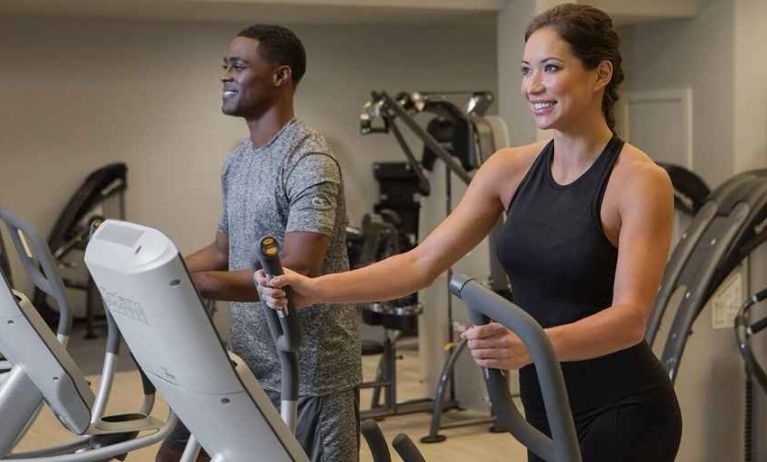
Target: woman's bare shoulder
pixel 638 172
pixel 517 158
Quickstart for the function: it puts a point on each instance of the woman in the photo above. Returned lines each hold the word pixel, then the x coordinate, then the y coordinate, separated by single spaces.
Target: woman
pixel 584 245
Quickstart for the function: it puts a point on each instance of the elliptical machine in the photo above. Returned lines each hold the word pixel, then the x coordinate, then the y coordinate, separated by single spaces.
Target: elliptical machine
pixel 462 139
pixel 43 371
pixel 149 292
pixel 484 305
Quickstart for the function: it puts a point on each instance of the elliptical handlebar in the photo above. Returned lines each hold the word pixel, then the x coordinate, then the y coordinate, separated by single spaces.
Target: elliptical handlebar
pixel 484 305
pixel 40 267
pixel 407 449
pixel 283 325
pixel 375 440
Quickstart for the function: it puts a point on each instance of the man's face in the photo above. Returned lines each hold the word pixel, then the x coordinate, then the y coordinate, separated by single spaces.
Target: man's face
pixel 249 80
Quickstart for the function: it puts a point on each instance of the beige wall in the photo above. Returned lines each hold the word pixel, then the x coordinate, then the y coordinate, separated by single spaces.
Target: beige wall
pixel 750 121
pixel 695 53
pixel 512 23
pixel 77 94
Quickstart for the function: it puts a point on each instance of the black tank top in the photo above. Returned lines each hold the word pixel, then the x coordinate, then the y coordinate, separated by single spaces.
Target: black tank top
pixel 562 268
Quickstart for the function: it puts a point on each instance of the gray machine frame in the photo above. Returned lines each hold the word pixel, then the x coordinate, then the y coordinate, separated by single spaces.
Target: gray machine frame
pixel 17 387
pixel 44 371
pixel 286 333
pixel 724 231
pixel 484 305
pixel 5 269
pixel 5 265
pixel 744 330
pixel 148 291
pixel 379 116
pixel 42 365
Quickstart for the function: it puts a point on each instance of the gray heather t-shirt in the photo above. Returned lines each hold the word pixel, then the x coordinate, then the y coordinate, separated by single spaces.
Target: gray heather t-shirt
pixel 291 184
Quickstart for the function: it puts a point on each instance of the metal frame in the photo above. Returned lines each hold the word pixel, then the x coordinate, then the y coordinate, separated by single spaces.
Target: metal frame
pixel 387 110
pixel 150 294
pixel 725 230
pixel 562 446
pixel 744 329
pixel 43 370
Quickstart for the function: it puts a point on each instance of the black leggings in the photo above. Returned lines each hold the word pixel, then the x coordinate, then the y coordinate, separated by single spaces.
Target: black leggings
pixel 646 426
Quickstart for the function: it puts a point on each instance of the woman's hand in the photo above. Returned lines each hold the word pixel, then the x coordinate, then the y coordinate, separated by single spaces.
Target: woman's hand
pixel 272 291
pixel 496 347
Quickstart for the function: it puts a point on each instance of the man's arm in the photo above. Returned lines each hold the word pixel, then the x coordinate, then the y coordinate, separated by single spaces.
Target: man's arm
pixel 301 251
pixel 208 267
pixel 313 190
pixel 213 257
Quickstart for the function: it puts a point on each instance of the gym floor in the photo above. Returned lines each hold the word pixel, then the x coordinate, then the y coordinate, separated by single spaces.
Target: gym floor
pixel 467 443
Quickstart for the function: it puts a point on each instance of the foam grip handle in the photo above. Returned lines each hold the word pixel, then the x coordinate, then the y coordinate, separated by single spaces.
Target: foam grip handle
pixel 269 252
pixel 477 318
pixel 761 295
pixel 496 382
pixel 285 324
pixel 407 449
pixel 375 440
pixel 759 325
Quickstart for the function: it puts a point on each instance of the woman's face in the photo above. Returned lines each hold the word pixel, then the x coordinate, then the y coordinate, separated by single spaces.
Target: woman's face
pixel 556 85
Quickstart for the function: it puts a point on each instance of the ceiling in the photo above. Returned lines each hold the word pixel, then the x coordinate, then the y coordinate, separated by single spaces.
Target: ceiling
pixel 341 12
pixel 405 12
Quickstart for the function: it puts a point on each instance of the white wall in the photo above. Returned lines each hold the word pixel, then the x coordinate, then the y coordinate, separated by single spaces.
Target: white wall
pixel 77 94
pixel 695 53
pixel 512 23
pixel 750 115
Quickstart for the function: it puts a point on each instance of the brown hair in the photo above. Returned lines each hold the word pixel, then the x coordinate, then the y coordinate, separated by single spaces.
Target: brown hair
pixel 589 32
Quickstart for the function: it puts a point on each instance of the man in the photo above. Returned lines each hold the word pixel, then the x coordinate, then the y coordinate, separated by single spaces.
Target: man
pixel 282 181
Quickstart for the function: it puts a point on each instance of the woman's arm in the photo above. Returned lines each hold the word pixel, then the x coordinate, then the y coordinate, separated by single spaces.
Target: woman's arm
pixel 394 277
pixel 646 214
pixel 302 251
